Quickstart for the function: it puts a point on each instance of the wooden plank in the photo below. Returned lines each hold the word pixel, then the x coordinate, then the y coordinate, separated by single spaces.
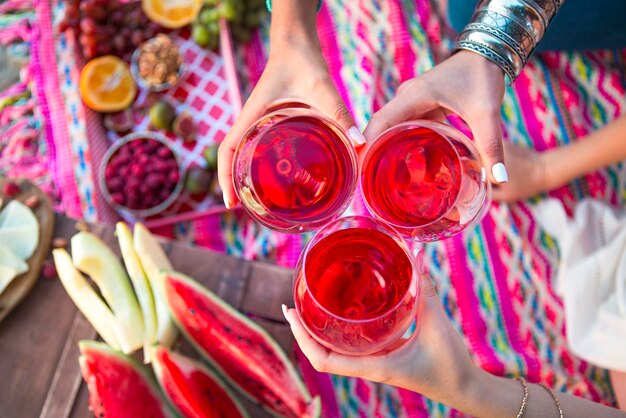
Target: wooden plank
pixel 268 288
pixel 67 379
pixel 32 338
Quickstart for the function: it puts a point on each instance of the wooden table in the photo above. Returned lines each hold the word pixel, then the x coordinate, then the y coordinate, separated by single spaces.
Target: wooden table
pixel 39 373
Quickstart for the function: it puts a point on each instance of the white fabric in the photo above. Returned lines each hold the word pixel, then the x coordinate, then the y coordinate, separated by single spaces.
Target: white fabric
pixel 591 278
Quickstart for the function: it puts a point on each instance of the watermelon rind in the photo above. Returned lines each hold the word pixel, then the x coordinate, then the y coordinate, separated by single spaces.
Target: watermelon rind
pixel 179 358
pixel 85 346
pixel 313 408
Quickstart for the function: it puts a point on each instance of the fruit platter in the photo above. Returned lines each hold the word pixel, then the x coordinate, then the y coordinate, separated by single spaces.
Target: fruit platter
pixel 181 329
pixel 159 70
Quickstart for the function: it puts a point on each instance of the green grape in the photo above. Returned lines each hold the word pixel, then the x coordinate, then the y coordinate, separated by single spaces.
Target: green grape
pixel 201 35
pixel 228 10
pixel 213 28
pixel 208 15
pixel 211 2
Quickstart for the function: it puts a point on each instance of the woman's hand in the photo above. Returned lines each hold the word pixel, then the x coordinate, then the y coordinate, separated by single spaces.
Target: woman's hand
pixel 433 361
pixel 295 70
pixel 528 174
pixel 465 84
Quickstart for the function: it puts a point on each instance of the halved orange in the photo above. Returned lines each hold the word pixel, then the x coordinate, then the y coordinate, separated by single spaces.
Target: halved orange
pixel 106 84
pixel 172 14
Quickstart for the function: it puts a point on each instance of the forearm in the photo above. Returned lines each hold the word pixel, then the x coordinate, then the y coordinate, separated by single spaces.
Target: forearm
pixel 489 396
pixel 293 21
pixel 604 147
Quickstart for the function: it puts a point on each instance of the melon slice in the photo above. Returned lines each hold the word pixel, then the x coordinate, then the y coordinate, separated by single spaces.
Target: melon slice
pixel 85 298
pixel 119 386
pixel 7 274
pixel 19 229
pixel 194 390
pixel 9 259
pixel 153 260
pixel 93 257
pixel 141 285
pixel 239 349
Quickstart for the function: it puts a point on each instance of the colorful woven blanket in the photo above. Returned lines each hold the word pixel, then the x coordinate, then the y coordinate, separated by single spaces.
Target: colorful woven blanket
pixel 494 280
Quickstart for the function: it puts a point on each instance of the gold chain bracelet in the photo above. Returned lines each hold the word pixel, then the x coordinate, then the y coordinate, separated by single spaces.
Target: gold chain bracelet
pixel 553 396
pixel 522 407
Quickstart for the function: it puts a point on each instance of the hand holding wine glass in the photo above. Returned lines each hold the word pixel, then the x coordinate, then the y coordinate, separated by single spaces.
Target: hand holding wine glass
pixel 296 70
pixel 465 84
pixel 435 362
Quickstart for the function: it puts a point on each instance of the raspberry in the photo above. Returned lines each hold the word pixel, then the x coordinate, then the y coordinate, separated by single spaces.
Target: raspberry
pixel 11 189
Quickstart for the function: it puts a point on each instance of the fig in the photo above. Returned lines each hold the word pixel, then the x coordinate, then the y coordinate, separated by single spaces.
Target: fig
pixel 198 180
pixel 119 121
pixel 183 126
pixel 162 115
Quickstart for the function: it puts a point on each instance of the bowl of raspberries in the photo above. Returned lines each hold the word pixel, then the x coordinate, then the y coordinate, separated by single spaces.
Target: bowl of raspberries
pixel 142 174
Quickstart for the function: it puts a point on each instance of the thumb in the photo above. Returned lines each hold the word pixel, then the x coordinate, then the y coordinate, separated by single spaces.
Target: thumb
pixel 334 107
pixel 488 136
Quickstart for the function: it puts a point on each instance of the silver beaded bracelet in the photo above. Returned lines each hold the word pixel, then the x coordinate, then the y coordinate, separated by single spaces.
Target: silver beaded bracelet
pixel 506 32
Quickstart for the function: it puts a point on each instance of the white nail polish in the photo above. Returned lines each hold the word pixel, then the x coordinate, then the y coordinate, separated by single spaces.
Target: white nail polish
pixel 356 135
pixel 226 203
pixel 284 308
pixel 499 173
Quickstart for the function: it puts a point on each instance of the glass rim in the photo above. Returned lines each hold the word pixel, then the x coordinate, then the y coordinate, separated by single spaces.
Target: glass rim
pixel 388 230
pixel 404 125
pixel 276 109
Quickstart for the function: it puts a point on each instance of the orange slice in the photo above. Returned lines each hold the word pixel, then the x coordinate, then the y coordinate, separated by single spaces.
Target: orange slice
pixel 172 14
pixel 106 84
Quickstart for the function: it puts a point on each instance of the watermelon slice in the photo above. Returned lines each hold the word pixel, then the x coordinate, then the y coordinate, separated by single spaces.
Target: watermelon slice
pixel 194 390
pixel 240 350
pixel 119 387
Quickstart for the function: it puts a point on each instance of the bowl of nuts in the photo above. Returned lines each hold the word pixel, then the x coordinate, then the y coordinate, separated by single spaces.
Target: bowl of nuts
pixel 141 174
pixel 157 64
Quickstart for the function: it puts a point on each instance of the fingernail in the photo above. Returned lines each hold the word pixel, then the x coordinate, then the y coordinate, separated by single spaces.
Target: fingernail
pixel 356 135
pixel 284 308
pixel 226 203
pixel 499 173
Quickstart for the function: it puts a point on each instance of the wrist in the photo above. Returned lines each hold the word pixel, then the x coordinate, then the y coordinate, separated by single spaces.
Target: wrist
pixel 479 64
pixel 293 22
pixel 559 167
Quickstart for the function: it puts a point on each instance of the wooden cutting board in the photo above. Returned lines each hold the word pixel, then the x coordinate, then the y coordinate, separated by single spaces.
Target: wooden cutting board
pixel 38 340
pixel 21 286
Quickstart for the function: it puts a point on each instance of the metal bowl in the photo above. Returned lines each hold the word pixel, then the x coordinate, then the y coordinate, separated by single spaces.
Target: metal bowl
pixel 134 69
pixel 140 213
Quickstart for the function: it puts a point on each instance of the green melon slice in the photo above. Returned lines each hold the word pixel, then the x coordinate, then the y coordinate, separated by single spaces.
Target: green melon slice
pixel 93 257
pixel 19 229
pixel 85 298
pixel 119 387
pixel 7 274
pixel 141 285
pixel 153 260
pixel 9 259
pixel 239 349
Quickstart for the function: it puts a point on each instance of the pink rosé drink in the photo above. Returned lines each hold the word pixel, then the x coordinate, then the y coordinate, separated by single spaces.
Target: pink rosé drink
pixel 356 286
pixel 295 170
pixel 426 179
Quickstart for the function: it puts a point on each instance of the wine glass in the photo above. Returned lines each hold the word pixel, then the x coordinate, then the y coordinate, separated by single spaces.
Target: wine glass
pixel 356 287
pixel 295 170
pixel 426 179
